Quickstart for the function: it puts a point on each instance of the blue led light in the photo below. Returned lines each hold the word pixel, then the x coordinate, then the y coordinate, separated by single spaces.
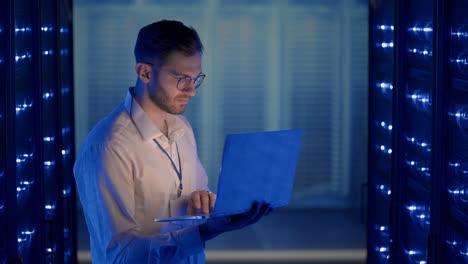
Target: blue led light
pixel 413 164
pixel 65 130
pixel 65 152
pixel 420 143
pixel 48 139
pixel 48 163
pixel 385 27
pixel 63 30
pixel 422 216
pixel 49 207
pixel 421 29
pixel 47 95
pixel 459 169
pixel 385 149
pixel 19 57
pixel 384 189
pixel 383 252
pixel 451 243
pixel 29 233
pixel 385 86
pixel 459 34
pixel 26 182
pixel 385 45
pixel 22 107
pixel 461 117
pixel 383 249
pixel 419 98
pixel 415 256
pixel 423 52
pixel 22 187
pixel 19 191
pixel 384 125
pixel 66 192
pixel 419 213
pixel 23 29
pixel 23 158
pixel 45 29
pixel 25 235
pixel 48 52
pixel 460 61
pixel 48 250
pixel 457 192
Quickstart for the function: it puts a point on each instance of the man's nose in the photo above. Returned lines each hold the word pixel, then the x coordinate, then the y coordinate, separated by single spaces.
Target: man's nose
pixel 190 89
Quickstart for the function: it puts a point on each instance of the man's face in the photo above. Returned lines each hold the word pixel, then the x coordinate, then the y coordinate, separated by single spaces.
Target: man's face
pixel 163 90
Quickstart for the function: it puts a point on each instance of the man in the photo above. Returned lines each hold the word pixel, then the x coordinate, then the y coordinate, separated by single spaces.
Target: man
pixel 141 162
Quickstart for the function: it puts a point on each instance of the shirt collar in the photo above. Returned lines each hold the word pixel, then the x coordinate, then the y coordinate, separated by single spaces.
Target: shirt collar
pixel 147 129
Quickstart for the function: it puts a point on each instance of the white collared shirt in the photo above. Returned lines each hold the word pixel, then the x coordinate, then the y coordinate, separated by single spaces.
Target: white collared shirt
pixel 125 181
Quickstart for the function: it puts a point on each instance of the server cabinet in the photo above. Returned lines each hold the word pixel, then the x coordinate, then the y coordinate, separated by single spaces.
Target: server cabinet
pixel 454 82
pixel 381 87
pixel 424 218
pixel 37 214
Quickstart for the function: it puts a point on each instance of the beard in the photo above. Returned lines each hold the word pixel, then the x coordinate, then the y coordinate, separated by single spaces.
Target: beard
pixel 163 101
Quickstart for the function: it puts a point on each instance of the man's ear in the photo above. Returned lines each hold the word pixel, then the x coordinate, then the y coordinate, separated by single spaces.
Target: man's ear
pixel 143 72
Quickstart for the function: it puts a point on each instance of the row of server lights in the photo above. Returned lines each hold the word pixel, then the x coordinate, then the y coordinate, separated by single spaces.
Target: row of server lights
pixel 460 116
pixel 28 56
pixel 422 51
pixel 19 30
pixel 46 95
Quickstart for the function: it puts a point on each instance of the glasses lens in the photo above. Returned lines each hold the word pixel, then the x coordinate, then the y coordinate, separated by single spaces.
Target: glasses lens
pixel 183 83
pixel 199 80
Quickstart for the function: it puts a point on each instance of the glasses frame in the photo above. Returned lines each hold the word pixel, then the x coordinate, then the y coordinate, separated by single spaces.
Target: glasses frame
pixel 186 77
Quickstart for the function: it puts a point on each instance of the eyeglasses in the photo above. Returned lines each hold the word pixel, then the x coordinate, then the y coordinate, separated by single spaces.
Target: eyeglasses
pixel 183 82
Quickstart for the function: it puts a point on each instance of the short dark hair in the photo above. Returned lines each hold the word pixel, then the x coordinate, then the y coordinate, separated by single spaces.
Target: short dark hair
pixel 159 39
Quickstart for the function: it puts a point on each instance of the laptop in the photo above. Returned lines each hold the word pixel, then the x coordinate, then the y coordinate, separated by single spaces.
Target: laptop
pixel 256 167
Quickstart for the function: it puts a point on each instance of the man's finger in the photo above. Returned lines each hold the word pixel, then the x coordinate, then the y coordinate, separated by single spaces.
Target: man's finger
pixel 212 200
pixel 205 200
pixel 196 203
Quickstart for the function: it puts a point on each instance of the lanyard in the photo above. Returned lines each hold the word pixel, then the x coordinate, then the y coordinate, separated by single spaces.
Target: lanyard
pixel 178 171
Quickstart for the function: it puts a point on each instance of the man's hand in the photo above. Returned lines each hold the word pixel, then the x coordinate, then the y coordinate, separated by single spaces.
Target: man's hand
pixel 201 202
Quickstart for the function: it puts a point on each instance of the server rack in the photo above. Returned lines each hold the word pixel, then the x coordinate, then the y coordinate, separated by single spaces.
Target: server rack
pixel 424 219
pixel 454 79
pixel 381 87
pixel 37 199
